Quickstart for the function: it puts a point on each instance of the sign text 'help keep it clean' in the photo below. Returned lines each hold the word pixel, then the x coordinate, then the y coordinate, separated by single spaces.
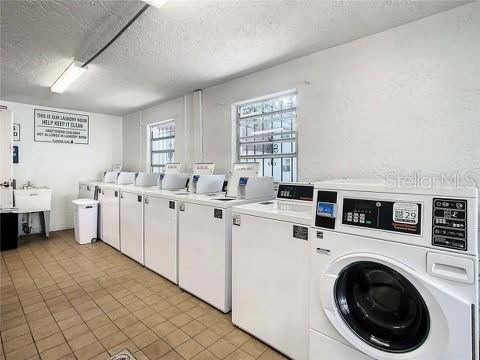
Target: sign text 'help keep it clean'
pixel 61 127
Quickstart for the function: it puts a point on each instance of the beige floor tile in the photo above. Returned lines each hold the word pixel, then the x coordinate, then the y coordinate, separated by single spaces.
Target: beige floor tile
pixel 237 337
pixel 205 355
pixel 181 320
pixel 56 352
pixel 207 337
pixel 126 321
pixel 161 305
pixel 222 348
pixel 136 305
pixel 102 302
pixel 189 349
pixel 78 342
pixel 90 314
pixel 139 355
pixel 253 347
pixel 69 322
pixel 193 328
pixel 135 329
pixel 145 338
pixel 208 319
pixel 40 323
pixel 15 332
pixel 98 321
pixel 128 345
pixel 65 314
pixel 172 355
pixel 153 320
pixel 76 331
pixel 23 353
pixel 164 329
pixel 113 339
pixel 102 356
pixel 50 342
pixel 222 328
pixel 105 330
pixel 118 313
pixel 270 354
pixel 144 313
pixel 35 307
pixel 90 351
pixel 7 324
pixel 239 355
pixel 176 338
pixel 17 343
pixel 156 350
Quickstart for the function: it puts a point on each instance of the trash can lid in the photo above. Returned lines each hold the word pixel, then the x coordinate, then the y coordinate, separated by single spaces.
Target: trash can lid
pixel 83 202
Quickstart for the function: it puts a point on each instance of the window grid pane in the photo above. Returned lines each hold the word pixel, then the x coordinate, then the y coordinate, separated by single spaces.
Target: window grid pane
pixel 267 135
pixel 162 145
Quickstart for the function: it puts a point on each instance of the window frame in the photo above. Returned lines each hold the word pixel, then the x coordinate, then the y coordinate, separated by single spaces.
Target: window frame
pixel 293 156
pixel 151 139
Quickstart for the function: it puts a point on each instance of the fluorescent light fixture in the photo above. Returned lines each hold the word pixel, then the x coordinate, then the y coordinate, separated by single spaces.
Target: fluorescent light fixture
pixel 73 72
pixel 156 3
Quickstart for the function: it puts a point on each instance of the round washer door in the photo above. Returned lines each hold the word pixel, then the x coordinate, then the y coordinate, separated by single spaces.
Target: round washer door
pixel 381 306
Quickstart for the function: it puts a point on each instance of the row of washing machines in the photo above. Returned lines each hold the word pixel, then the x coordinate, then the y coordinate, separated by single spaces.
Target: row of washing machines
pixel 347 269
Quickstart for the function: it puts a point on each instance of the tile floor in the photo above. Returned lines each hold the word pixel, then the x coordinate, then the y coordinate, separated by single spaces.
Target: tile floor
pixel 60 300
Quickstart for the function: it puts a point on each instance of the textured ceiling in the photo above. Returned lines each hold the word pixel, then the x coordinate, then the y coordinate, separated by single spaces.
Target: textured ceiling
pixel 167 52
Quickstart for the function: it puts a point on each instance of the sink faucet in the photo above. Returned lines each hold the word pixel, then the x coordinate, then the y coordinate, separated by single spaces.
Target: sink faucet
pixel 28 185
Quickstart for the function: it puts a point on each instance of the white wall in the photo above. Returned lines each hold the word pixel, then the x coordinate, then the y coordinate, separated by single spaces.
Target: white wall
pixel 185 112
pixel 402 101
pixel 62 166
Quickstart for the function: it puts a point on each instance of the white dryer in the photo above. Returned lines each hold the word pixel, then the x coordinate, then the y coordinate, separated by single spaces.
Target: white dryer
pixel 394 272
pixel 270 264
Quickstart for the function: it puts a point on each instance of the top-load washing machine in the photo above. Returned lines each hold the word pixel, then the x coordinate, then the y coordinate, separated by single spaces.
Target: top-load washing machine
pixel 109 198
pixel 394 272
pixel 161 219
pixel 205 235
pixel 270 265
pixel 131 215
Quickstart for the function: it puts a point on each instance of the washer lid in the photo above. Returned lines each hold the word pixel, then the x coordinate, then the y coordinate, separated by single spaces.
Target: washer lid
pixel 84 202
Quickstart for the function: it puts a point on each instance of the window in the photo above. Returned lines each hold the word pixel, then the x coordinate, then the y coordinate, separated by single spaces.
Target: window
pixel 266 133
pixel 162 145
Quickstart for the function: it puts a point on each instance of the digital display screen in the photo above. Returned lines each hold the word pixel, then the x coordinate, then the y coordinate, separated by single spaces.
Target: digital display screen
pixel 195 178
pixel 243 181
pixel 326 209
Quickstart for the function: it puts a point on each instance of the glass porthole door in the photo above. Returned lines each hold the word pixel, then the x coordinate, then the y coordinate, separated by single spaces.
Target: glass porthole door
pixel 382 307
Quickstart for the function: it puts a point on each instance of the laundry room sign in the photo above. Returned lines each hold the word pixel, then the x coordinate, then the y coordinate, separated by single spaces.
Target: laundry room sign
pixel 61 127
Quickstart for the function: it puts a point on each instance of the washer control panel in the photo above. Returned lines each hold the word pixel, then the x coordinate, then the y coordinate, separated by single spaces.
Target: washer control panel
pixel 295 192
pixel 449 223
pixel 399 216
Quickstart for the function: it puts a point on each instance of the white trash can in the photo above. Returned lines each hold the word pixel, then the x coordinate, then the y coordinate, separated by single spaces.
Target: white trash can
pixel 85 220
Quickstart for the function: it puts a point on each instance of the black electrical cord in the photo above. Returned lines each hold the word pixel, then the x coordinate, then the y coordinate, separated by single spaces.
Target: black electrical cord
pixel 132 20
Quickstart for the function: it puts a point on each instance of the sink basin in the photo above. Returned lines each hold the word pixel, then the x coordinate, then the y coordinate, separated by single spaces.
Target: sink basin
pixel 33 199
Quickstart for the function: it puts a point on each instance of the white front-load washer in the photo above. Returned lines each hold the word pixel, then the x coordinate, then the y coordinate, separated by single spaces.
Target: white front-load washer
pixel 394 272
pixel 270 264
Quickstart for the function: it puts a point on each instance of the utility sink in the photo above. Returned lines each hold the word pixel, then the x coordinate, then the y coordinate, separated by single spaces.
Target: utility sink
pixel 33 199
